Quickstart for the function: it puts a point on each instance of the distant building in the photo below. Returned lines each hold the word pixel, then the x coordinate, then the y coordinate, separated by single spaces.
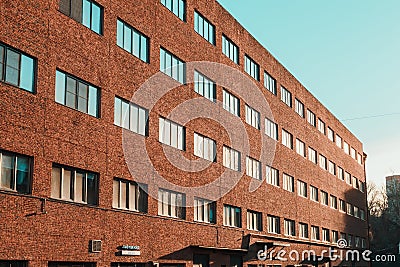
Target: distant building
pixel 393 194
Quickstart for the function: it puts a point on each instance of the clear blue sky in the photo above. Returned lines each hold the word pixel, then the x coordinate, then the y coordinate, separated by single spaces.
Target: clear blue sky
pixel 346 53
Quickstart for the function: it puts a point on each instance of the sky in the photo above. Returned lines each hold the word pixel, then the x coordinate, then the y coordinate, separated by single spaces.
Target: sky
pixel 347 54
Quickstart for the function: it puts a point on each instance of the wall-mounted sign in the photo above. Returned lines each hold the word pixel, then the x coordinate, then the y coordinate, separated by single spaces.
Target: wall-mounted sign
pixel 126 250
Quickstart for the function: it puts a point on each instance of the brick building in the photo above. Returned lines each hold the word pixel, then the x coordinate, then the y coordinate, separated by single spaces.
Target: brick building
pixel 77 137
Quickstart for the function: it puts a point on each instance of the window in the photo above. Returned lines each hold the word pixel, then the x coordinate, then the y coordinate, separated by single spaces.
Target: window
pixel 130 116
pixel 204 147
pixel 251 67
pixel 362 214
pixel 172 66
pixel 231 103
pixel 343 236
pixel 300 148
pixel 171 204
pixel 10 263
pixel 313 193
pixel 359 158
pixel 334 204
pixel 346 147
pixel 342 205
pixel 314 232
pixel 177 7
pixel 350 209
pixel 74 185
pixel 363 243
pixel 324 198
pixel 204 86
pixel 331 134
pixel 322 162
pixel 17 68
pixel 199 260
pixel 312 155
pixel 303 230
pixel 231 158
pixel 355 182
pixel 171 133
pixel 272 176
pixel 286 97
pixel 271 129
pixel 335 236
pixel 311 117
pixel 340 173
pixel 132 41
pixel 288 182
pixel 353 153
pixel 253 168
pixel 269 83
pixel 321 126
pixel 338 141
pixel 87 12
pixel 254 220
pixel 299 107
pixel 357 242
pixel 302 188
pixel 253 117
pixel 347 177
pixel 129 195
pixel 230 49
pixel 77 94
pixel 325 235
pixel 273 224
pixel 332 168
pixel 204 210
pixel 287 139
pixel 232 216
pixel 289 227
pixel 203 27
pixel 349 240
pixel 356 212
pixel 16 172
pixel 361 186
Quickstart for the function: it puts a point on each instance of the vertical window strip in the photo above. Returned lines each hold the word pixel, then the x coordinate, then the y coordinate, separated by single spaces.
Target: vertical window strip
pixel 230 49
pixel 172 66
pixel 132 41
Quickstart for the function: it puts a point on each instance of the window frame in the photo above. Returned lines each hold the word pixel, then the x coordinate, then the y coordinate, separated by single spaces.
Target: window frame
pixel 139 190
pixel 286 97
pixel 227 41
pixel 171 204
pixel 234 218
pixel 14 186
pixel 183 18
pixel 270 81
pixel 209 213
pixel 197 17
pixel 120 122
pixel 251 67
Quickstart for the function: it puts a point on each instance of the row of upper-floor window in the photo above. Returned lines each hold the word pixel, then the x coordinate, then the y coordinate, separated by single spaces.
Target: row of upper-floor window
pixel 82 96
pixel 90 14
pixel 312 192
pixel 82 186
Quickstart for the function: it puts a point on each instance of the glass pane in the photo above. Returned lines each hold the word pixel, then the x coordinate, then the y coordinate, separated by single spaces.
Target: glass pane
pixel 123 203
pixel 167 133
pixel 181 10
pixel 175 7
pixel 125 115
pixel 96 19
pixel 91 185
pixel 142 122
pixel 162 60
pixel 60 87
pixel 93 99
pixel 115 194
pixel 12 75
pixel 71 85
pixel 55 182
pixel 66 185
pixel 23 179
pixel 86 13
pixel 168 4
pixel 83 90
pixel 71 100
pixel 27 73
pixel 132 197
pixel 127 39
pixel 12 59
pixel 168 64
pixel 136 44
pixel 143 49
pixel 82 104
pixel 120 33
pixel 134 119
pixel 174 135
pixel 7 172
pixel 196 22
pixel 79 187
pixel 117 111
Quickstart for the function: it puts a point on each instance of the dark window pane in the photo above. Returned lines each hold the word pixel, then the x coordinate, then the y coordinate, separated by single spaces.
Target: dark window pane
pixel 83 90
pixel 13 59
pixel 23 175
pixel 12 75
pixel 82 104
pixel 71 100
pixel 92 188
pixel 1 62
pixel 76 10
pixel 71 85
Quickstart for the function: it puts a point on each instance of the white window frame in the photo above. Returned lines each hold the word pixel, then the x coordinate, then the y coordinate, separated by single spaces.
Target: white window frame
pixel 299 107
pixel 287 139
pixel 332 167
pixel 321 126
pixel 286 96
pixel 130 116
pixel 323 162
pixel 252 117
pixel 231 158
pixel 253 168
pixel 231 103
pixel 204 210
pixel 254 220
pixel 303 231
pixel 274 226
pixel 288 182
pixel 204 86
pixel 269 83
pixel 171 133
pixel 289 227
pixel 204 147
pixel 324 198
pixel 314 193
pixel 232 216
pixel 300 148
pixel 331 134
pixel 251 67
pixel 272 176
pixel 302 188
pixel 171 204
pixel 312 155
pixel 338 141
pixel 271 129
